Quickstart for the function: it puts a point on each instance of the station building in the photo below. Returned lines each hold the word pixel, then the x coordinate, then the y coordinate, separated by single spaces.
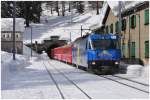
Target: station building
pixel 134 30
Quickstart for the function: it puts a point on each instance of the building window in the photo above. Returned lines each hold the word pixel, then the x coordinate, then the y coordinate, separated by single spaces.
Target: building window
pixel 17 36
pixel 146 17
pixel 107 30
pixel 111 28
pixel 146 49
pixel 7 35
pixel 133 50
pixel 123 26
pixel 3 35
pixel 132 21
pixel 117 26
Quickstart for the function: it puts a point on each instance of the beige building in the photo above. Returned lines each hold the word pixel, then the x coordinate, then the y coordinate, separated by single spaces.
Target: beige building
pixel 7 35
pixel 135 30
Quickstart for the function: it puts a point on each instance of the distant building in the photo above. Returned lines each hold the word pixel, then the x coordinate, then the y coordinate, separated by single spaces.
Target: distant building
pixel 7 35
pixel 134 30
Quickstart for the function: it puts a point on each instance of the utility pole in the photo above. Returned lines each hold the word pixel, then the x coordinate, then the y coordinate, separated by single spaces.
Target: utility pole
pixel 120 26
pixel 31 41
pixel 82 30
pixel 70 37
pixel 14 15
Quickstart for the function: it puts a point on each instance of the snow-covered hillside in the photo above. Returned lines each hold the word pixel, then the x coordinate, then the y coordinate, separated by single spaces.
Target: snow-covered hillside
pixel 58 25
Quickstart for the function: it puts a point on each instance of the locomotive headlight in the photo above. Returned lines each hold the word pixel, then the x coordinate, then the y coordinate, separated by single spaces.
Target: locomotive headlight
pixel 93 63
pixel 116 63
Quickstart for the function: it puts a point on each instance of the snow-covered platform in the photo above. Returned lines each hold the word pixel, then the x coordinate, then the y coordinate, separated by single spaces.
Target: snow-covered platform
pixel 42 78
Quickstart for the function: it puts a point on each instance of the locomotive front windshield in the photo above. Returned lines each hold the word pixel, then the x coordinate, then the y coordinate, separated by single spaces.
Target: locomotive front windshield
pixel 105 44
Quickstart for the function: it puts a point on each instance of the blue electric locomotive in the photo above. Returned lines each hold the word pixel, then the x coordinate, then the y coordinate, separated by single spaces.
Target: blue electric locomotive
pixel 97 52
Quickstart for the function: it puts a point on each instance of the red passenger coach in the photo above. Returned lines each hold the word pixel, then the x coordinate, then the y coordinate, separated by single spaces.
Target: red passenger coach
pixel 63 53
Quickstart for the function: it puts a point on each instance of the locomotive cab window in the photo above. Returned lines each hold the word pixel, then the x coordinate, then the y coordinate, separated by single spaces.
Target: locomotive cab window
pixel 105 44
pixel 89 46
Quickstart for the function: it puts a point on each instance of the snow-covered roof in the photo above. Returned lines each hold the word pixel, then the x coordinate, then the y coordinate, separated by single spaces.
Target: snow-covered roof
pixel 7 24
pixel 125 5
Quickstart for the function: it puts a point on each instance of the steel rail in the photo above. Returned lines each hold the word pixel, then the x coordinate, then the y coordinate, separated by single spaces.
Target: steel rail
pixel 71 81
pixel 50 74
pixel 124 84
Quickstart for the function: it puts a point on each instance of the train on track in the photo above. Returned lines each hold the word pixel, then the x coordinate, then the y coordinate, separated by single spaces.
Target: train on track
pixel 95 52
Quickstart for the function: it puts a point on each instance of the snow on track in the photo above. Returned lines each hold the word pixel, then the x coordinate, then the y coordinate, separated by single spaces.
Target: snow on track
pixel 128 83
pixel 95 86
pixel 64 84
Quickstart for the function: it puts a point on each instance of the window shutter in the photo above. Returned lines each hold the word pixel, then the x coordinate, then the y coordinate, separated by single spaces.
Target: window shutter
pixel 146 17
pixel 132 21
pixel 134 24
pixel 111 28
pixel 116 28
pixel 146 49
pixel 107 30
pixel 123 24
pixel 133 50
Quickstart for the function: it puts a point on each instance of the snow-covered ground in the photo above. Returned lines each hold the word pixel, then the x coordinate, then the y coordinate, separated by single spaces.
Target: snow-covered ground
pixel 25 78
pixel 28 78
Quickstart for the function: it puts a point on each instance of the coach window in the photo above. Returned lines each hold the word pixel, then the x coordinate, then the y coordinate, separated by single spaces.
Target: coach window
pixel 86 44
pixel 89 46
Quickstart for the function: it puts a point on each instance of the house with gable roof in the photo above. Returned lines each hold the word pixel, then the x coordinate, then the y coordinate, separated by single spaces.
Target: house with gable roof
pixel 7 35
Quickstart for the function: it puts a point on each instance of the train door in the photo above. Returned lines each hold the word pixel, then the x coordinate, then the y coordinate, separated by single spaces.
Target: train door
pixel 83 52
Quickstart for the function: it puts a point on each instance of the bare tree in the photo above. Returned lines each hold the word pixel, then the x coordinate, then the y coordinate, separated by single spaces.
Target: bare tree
pixel 63 8
pixel 97 7
pixel 69 5
pixel 57 7
pixel 51 5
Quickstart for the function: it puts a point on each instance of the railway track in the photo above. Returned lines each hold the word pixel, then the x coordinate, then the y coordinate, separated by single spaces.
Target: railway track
pixel 57 84
pixel 127 82
pixel 132 80
pixel 120 80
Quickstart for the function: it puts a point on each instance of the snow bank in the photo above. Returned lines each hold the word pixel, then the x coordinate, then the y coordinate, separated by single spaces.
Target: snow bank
pixel 145 71
pixel 135 70
pixel 9 66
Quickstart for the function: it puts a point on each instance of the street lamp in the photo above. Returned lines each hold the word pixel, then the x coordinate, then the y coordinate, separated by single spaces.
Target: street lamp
pixel 30 38
pixel 14 16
